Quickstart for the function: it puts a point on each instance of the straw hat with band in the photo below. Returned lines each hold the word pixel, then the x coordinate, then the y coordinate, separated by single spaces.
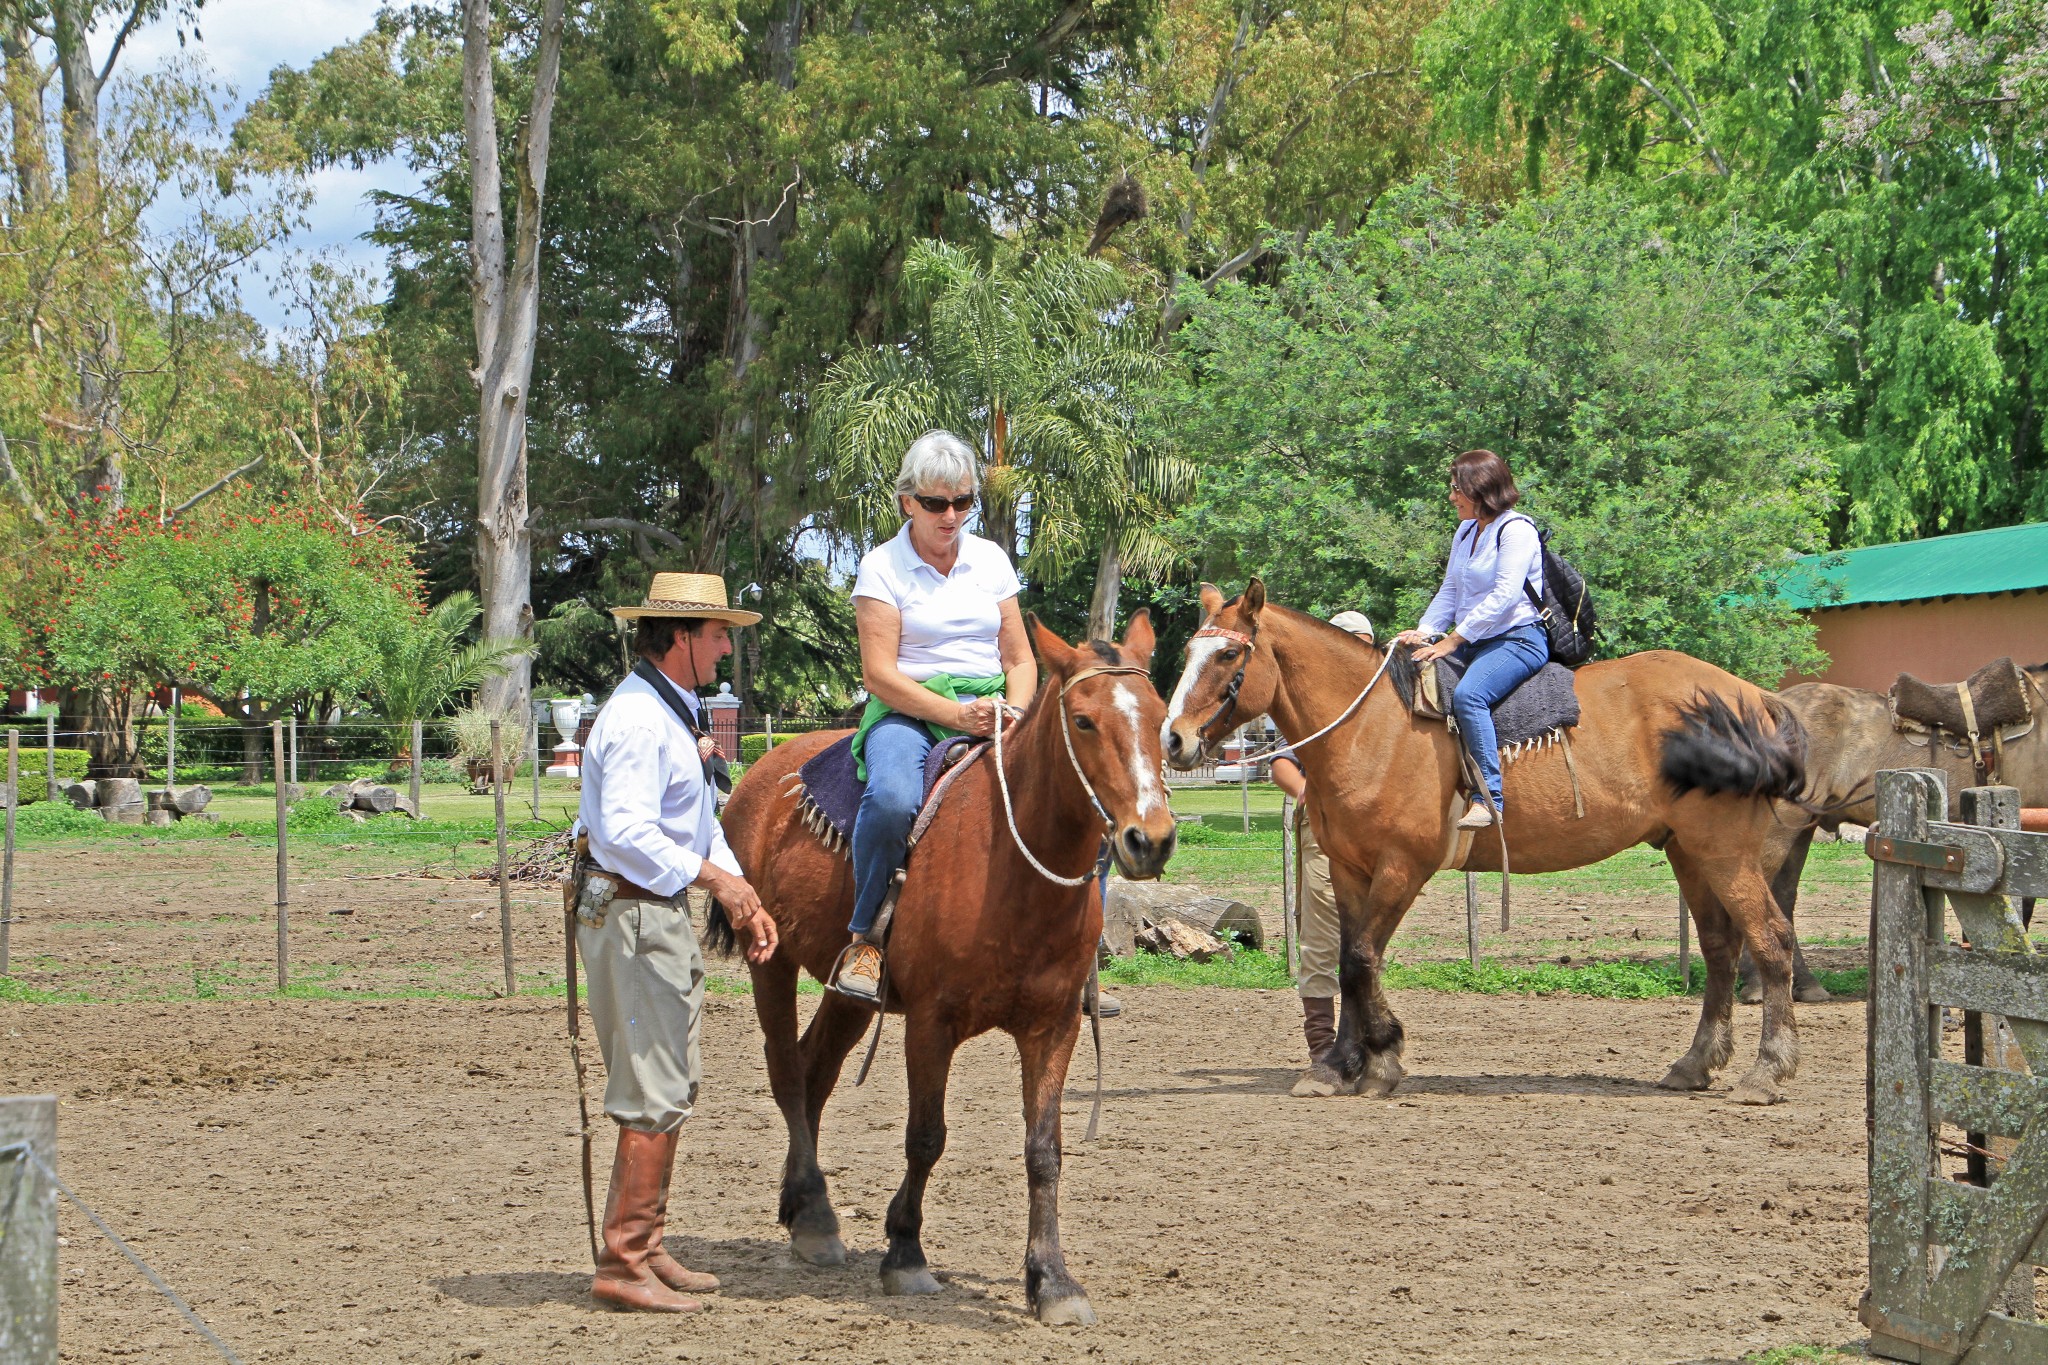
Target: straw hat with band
pixel 688 594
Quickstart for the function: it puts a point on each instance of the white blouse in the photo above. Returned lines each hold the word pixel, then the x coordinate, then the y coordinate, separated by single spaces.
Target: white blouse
pixel 950 621
pixel 1482 589
pixel 650 815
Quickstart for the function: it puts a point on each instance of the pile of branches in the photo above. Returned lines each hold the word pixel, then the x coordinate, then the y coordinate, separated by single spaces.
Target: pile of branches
pixel 544 860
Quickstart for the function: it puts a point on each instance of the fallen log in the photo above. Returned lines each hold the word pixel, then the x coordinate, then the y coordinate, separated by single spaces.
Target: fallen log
pixel 1174 938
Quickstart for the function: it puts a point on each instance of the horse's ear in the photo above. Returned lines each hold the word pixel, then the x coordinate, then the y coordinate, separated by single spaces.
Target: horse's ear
pixel 1138 637
pixel 1254 598
pixel 1052 651
pixel 1212 600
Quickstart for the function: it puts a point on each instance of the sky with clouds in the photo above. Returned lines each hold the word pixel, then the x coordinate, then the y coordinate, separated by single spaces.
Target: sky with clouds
pixel 243 41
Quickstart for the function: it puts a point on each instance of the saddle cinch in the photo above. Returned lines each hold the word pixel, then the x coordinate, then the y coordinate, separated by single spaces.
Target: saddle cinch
pixel 1988 708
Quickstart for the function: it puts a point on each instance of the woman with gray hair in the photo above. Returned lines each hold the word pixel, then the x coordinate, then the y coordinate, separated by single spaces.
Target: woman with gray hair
pixel 942 647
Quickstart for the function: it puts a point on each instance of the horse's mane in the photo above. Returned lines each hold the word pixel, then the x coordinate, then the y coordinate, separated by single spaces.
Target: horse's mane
pixel 1402 670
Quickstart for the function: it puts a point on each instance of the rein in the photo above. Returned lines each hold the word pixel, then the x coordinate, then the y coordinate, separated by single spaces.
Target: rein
pixel 1230 692
pixel 1066 733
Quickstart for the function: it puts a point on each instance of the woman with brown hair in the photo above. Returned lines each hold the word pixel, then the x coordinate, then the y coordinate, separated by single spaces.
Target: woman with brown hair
pixel 1485 604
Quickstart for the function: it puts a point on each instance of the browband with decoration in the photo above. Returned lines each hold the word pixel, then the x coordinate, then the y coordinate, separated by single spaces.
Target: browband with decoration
pixel 1218 632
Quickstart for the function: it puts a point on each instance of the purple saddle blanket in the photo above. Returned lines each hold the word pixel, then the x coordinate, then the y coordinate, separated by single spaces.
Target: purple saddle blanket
pixel 831 788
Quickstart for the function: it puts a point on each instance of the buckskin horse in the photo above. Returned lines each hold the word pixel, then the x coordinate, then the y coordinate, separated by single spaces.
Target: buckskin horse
pixel 1669 751
pixel 1850 736
pixel 981 939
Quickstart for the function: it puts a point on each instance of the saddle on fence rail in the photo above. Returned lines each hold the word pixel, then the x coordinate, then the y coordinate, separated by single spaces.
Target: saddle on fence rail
pixel 828 792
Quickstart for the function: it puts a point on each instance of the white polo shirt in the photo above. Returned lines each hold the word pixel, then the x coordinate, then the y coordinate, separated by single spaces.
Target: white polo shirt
pixel 950 621
pixel 650 814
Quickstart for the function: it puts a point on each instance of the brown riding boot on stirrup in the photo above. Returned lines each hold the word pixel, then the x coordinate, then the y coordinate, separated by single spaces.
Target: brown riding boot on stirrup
pixel 632 1223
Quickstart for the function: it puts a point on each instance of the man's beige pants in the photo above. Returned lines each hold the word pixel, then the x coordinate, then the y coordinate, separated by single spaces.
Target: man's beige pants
pixel 646 998
pixel 1318 935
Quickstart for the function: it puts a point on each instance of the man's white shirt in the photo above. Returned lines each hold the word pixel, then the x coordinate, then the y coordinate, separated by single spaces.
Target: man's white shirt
pixel 651 816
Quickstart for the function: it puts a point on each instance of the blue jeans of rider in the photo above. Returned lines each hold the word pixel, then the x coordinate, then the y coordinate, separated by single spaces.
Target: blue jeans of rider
pixel 1494 668
pixel 896 750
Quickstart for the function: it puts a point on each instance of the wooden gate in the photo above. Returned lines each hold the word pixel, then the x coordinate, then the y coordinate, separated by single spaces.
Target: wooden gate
pixel 1951 1275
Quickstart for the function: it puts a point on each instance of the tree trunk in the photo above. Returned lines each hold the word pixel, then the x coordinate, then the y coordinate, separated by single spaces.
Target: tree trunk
pixel 24 78
pixel 505 306
pixel 102 471
pixel 1109 581
pixel 253 750
pixel 70 30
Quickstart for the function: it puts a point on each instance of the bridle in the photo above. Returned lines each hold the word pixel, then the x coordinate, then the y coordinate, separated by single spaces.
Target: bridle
pixel 1067 734
pixel 1228 705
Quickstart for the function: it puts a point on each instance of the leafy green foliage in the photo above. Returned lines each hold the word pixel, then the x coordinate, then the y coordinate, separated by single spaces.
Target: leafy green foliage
pixel 1653 398
pixel 419 670
pixel 72 765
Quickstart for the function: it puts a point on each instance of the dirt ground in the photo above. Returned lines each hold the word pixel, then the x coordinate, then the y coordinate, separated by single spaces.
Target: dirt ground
pixel 394 1180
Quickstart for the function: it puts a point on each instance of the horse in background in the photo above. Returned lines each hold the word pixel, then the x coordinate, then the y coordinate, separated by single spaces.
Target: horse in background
pixel 1850 738
pixel 982 939
pixel 1669 751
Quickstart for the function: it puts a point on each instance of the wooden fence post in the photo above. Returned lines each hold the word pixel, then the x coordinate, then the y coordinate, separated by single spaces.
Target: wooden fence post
pixel 1472 918
pixel 418 738
pixel 536 767
pixel 7 875
pixel 50 754
pixel 293 724
pixel 283 864
pixel 28 1251
pixel 171 743
pixel 1684 946
pixel 504 886
pixel 1290 889
pixel 1244 777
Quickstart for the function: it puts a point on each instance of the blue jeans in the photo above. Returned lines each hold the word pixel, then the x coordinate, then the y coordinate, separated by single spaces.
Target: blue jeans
pixel 1494 668
pixel 896 749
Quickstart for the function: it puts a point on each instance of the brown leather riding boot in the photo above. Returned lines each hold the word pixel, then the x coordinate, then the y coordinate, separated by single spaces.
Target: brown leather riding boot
pixel 1318 1025
pixel 667 1268
pixel 631 1221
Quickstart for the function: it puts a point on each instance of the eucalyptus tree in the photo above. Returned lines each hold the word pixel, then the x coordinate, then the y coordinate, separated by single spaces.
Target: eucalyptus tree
pixel 1036 358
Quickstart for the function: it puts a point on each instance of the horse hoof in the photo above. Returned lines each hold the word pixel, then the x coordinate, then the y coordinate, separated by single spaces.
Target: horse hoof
pixel 817 1248
pixel 1073 1310
pixel 1316 1082
pixel 909 1280
pixel 1683 1076
pixel 1378 1079
pixel 1753 1089
pixel 1813 993
pixel 1750 994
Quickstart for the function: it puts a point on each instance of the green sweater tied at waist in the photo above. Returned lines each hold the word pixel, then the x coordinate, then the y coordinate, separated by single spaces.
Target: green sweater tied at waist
pixel 945 685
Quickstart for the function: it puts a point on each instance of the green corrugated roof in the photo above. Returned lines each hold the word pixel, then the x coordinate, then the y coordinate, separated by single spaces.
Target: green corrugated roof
pixel 2002 560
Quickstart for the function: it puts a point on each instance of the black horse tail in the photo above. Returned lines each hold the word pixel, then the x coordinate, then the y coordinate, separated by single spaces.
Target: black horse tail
pixel 718 934
pixel 1724 750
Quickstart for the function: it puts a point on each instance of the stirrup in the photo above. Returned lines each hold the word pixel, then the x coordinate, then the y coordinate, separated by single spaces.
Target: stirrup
pixel 865 988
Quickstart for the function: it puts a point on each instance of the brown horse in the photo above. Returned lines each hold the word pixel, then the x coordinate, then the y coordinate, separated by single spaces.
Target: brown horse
pixel 981 939
pixel 1850 736
pixel 1670 751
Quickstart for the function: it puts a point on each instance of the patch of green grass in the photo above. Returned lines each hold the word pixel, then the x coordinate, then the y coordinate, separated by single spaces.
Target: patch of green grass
pixel 1602 980
pixel 1803 1355
pixel 1246 968
pixel 13 992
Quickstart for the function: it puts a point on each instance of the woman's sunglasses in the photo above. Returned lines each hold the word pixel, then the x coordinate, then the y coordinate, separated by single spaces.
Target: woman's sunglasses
pixel 937 506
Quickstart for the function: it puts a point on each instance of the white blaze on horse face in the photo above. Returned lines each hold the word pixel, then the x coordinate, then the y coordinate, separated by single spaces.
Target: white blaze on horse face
pixel 1199 654
pixel 1147 781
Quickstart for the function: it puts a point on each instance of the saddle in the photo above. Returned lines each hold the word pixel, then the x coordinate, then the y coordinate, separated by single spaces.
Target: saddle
pixel 828 792
pixel 1989 702
pixel 1536 713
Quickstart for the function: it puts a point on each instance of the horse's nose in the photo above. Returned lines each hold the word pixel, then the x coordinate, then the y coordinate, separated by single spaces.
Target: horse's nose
pixel 1142 855
pixel 1175 747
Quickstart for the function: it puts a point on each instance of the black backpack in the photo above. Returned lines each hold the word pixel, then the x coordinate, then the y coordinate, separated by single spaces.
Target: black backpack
pixel 1566 607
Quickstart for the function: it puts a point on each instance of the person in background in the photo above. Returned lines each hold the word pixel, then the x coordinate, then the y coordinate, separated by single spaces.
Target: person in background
pixel 1319 935
pixel 1488 606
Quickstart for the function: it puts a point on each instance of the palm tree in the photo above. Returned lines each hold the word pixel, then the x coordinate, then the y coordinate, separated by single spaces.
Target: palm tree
pixel 420 671
pixel 1035 358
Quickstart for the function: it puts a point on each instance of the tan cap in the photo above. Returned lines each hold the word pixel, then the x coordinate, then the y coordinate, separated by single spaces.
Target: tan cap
pixel 1357 622
pixel 688 594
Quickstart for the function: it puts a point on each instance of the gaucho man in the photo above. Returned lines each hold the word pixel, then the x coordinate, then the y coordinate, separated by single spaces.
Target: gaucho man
pixel 649 815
